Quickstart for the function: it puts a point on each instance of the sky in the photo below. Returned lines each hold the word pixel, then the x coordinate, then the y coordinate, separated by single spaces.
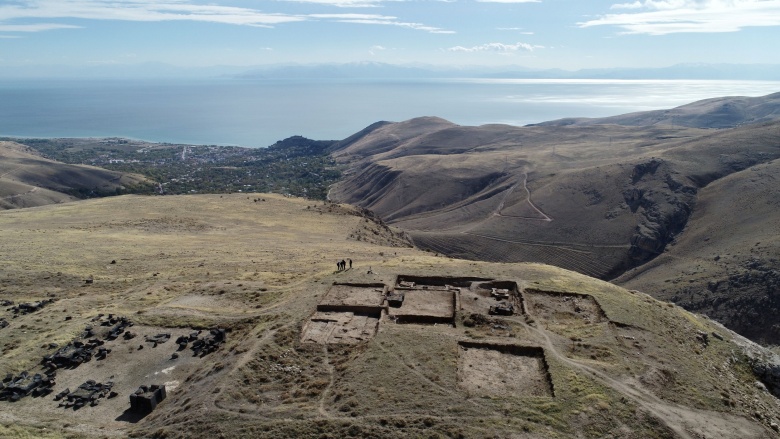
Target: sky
pixel 543 34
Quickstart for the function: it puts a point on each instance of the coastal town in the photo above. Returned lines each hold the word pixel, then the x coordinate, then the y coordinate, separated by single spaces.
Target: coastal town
pixel 295 166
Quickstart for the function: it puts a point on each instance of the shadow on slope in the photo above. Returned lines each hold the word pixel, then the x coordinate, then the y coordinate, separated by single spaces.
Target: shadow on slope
pixel 603 198
pixel 29 180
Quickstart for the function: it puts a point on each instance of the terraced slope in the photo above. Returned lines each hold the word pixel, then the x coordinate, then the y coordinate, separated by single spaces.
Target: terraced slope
pixel 597 199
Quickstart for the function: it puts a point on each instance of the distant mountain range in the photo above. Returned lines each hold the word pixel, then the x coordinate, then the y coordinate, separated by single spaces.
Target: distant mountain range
pixel 384 71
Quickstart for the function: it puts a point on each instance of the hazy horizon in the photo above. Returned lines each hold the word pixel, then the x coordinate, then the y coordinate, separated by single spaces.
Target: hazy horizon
pixel 259 113
pixel 534 34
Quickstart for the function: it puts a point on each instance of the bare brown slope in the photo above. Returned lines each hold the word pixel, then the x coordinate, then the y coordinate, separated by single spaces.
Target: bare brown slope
pixel 726 264
pixel 29 180
pixel 724 112
pixel 594 199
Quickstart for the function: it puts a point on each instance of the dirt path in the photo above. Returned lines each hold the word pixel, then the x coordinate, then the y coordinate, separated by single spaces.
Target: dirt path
pixel 500 207
pixel 687 423
pixel 331 379
pixel 11 171
pixel 35 189
pixel 527 200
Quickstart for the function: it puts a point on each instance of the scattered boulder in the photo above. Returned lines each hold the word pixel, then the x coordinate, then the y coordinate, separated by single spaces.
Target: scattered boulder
pixel 88 393
pixel 17 387
pixel 30 307
pixel 208 344
pixel 74 354
pixel 158 339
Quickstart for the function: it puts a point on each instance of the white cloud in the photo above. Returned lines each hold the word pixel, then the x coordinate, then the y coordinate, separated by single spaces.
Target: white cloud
pixel 509 1
pixel 661 17
pixel 34 27
pixel 175 10
pixel 390 21
pixel 497 47
pixel 140 10
pixel 343 3
pixel 519 29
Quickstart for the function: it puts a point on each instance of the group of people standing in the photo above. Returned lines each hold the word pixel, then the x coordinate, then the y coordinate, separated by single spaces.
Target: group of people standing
pixel 342 264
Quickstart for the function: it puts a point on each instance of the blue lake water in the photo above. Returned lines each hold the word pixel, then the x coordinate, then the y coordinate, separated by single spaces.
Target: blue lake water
pixel 258 113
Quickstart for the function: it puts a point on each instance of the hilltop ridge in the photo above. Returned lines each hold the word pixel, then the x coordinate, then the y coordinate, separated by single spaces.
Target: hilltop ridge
pixel 577 357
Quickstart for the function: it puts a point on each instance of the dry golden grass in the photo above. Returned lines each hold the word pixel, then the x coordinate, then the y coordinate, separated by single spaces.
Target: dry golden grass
pixel 258 264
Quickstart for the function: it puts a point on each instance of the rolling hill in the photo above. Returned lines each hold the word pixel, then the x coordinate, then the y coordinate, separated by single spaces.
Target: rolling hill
pixel 28 179
pixel 725 112
pixel 597 198
pixel 311 352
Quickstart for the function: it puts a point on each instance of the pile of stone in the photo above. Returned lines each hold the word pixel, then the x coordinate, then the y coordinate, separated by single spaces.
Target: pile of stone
pixel 14 388
pixel 118 326
pixel 5 302
pixel 88 393
pixel 184 340
pixel 146 398
pixel 3 323
pixel 158 339
pixel 502 309
pixel 203 346
pixel 31 307
pixel 75 353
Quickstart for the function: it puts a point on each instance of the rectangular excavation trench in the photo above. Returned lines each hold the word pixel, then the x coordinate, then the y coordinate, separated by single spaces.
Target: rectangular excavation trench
pixel 481 296
pixel 563 306
pixel 355 298
pixel 340 328
pixel 426 307
pixel 504 370
pixel 348 313
pixel 409 282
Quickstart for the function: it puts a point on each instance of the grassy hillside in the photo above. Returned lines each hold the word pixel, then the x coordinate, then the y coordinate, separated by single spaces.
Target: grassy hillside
pixel 28 179
pixel 580 357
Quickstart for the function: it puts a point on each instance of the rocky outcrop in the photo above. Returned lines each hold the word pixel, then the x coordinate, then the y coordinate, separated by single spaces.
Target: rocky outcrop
pixel 764 362
pixel 747 299
pixel 663 205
